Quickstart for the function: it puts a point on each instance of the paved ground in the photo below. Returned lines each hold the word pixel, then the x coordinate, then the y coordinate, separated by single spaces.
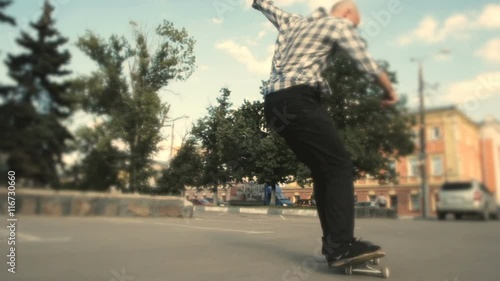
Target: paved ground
pixel 240 247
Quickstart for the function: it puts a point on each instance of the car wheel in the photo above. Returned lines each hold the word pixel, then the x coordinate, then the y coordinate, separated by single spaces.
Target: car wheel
pixel 485 216
pixel 495 215
pixel 458 216
pixel 441 216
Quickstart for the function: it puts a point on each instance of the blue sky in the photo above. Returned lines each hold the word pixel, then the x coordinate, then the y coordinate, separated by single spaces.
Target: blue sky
pixel 234 45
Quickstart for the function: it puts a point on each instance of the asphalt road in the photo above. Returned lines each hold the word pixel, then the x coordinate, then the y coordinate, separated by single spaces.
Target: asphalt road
pixel 240 247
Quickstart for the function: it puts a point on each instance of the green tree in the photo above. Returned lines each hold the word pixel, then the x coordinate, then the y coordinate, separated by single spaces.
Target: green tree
pixel 262 153
pixel 102 161
pixel 374 136
pixel 3 17
pixel 33 110
pixel 185 169
pixel 213 133
pixel 132 108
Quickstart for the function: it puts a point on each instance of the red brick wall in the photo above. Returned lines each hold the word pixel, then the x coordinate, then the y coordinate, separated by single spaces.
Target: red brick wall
pixel 488 164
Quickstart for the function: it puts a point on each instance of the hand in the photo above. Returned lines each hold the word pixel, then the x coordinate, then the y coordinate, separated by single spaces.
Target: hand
pixel 390 99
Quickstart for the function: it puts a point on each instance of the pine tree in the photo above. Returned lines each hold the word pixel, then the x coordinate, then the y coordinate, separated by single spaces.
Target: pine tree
pixel 3 17
pixel 32 110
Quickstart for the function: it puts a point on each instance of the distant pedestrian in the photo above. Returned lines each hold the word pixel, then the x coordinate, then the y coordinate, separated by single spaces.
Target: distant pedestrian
pixel 381 201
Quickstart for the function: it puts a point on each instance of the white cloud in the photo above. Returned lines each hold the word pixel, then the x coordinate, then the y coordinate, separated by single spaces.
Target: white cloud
pixel 458 26
pixel 490 17
pixel 431 31
pixel 490 51
pixel 217 21
pixel 243 55
pixel 470 92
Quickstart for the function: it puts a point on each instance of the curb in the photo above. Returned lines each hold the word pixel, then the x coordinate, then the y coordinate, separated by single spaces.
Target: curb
pixel 257 211
pixel 360 213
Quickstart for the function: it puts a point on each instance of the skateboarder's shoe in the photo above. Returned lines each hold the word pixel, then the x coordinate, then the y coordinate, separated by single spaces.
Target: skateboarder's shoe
pixel 343 253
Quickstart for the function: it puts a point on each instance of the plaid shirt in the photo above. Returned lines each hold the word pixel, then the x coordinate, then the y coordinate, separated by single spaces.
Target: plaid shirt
pixel 304 45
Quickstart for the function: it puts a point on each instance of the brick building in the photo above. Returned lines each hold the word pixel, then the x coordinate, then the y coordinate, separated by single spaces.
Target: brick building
pixel 490 146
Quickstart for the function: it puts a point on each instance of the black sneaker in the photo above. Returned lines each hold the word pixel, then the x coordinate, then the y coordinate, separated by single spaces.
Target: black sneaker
pixel 356 250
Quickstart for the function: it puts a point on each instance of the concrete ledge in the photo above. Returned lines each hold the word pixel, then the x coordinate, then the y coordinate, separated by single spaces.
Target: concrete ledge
pixel 298 212
pixel 259 211
pixel 75 203
pixel 359 212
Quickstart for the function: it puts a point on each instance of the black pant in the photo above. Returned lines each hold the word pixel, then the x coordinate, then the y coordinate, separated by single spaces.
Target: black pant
pixel 298 116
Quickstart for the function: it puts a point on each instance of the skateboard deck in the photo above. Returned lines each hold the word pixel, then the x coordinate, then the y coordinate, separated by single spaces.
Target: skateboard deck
pixel 364 265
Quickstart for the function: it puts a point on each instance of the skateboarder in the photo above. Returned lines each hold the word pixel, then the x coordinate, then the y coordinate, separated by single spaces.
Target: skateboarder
pixel 293 108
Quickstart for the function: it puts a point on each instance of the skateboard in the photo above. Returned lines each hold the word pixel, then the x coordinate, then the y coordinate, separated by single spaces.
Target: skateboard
pixel 365 265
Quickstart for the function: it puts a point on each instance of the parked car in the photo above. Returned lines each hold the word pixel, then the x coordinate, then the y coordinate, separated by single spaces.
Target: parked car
pixel 200 202
pixel 466 198
pixel 366 204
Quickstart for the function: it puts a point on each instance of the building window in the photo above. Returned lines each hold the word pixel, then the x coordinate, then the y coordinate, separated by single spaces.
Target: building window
pixel 415 202
pixel 437 166
pixel 435 133
pixel 413 167
pixel 373 198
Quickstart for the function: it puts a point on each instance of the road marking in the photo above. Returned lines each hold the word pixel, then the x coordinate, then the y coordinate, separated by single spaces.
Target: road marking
pixel 122 220
pixel 27 238
pixel 283 217
pixel 216 229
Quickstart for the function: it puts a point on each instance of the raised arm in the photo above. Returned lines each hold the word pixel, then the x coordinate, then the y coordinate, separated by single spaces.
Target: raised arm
pixel 349 40
pixel 276 16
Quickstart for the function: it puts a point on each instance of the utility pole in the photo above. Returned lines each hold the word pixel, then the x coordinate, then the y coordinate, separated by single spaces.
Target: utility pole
pixel 424 188
pixel 423 154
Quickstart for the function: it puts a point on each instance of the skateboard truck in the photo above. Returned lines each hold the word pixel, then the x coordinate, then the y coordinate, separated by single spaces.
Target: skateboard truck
pixel 366 268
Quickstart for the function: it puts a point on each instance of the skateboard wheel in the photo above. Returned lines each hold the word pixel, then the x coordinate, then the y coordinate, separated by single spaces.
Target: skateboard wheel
pixel 348 270
pixel 376 261
pixel 385 272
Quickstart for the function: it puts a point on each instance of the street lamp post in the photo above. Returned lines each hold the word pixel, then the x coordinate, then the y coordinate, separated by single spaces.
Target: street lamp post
pixel 424 189
pixel 423 153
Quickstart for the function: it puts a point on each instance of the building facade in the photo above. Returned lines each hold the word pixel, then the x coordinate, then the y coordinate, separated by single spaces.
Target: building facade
pixel 490 146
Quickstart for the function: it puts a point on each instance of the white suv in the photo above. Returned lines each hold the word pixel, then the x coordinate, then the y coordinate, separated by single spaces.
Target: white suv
pixel 464 198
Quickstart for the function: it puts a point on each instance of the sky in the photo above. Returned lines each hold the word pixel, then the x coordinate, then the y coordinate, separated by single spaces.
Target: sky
pixel 234 45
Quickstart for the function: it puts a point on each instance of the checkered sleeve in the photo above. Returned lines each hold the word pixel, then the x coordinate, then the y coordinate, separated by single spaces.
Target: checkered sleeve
pixel 276 16
pixel 349 40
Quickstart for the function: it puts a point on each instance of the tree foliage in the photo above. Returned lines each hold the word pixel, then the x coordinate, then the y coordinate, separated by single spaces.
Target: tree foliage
pixel 3 17
pixel 374 136
pixel 33 109
pixel 214 132
pixel 129 102
pixel 238 144
pixel 185 170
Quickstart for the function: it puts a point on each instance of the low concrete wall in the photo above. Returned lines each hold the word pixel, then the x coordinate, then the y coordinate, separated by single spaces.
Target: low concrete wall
pixel 73 203
pixel 360 212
